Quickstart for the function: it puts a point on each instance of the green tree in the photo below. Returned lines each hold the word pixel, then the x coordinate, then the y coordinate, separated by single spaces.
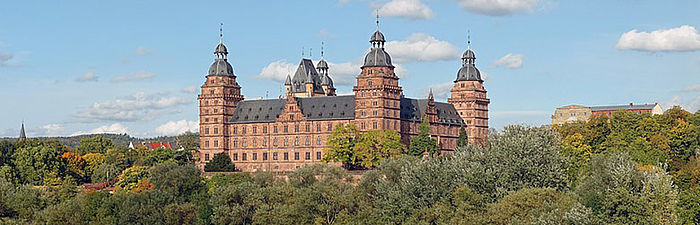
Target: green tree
pixel 189 141
pixel 423 143
pixel 376 145
pixel 180 181
pixel 7 149
pixel 39 165
pixel 130 177
pixel 220 163
pixel 689 206
pixel 95 144
pixel 341 144
pixel 463 139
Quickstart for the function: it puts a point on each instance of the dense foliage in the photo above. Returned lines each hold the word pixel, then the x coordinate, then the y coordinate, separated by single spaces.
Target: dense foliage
pixel 580 173
pixel 220 163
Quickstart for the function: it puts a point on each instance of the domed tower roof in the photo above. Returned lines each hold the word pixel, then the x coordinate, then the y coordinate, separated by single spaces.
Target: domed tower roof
pixel 221 67
pixel 221 48
pixel 376 55
pixel 322 64
pixel 468 72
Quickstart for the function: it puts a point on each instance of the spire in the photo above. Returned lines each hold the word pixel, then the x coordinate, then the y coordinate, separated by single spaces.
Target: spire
pixel 22 136
pixel 322 50
pixel 221 52
pixel 430 94
pixel 469 39
pixel 377 19
pixel 221 33
pixel 289 80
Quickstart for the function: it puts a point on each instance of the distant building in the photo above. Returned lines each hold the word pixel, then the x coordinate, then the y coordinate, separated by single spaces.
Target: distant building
pixel 572 113
pixel 22 136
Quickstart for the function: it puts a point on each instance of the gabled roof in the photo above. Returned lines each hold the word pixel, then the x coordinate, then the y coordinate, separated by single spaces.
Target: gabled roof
pixel 306 70
pixel 625 107
pixel 414 110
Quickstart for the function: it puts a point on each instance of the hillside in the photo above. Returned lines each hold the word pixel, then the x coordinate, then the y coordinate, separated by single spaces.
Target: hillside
pixel 118 139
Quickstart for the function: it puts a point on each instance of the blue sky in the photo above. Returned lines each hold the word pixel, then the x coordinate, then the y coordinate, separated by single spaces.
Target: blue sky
pixel 75 67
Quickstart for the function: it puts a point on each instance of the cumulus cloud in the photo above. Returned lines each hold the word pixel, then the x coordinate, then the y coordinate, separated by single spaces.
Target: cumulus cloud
pixel 499 7
pixel 440 91
pixel 89 76
pixel 277 71
pixel 512 61
pixel 692 87
pixel 115 128
pixel 411 9
pixel 683 38
pixel 190 90
pixel 52 129
pixel 5 58
pixel 142 51
pixel 177 127
pixel 344 73
pixel 139 106
pixel 690 106
pixel 133 76
pixel 421 47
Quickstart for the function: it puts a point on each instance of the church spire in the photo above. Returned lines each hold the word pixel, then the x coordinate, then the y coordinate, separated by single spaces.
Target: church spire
pixel 22 136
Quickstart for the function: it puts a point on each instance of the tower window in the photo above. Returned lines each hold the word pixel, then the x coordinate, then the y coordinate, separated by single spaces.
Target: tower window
pixel 286 128
pixel 216 130
pixel 296 128
pixel 274 156
pixel 255 156
pixel 369 82
pixel 274 129
pixel 206 130
pixel 206 143
pixel 274 142
pixel 235 130
pixel 216 143
pixel 212 91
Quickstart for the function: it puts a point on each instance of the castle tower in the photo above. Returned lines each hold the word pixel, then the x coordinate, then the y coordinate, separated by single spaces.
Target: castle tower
pixel 218 98
pixel 326 81
pixel 469 98
pixel 377 91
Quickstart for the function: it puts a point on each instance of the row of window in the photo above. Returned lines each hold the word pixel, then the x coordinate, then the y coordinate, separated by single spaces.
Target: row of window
pixel 285 129
pixel 275 156
pixel 275 142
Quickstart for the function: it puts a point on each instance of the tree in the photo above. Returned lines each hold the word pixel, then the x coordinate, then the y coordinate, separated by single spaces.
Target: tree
pixel 423 143
pixel 75 166
pixel 180 181
pixel 189 141
pixel 463 139
pixel 6 151
pixel 130 177
pixel 530 206
pixel 96 144
pixel 39 165
pixel 220 163
pixel 341 144
pixel 376 145
pixel 689 206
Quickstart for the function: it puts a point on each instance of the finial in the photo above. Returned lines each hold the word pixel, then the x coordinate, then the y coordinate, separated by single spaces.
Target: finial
pixel 310 52
pixel 302 52
pixel 377 19
pixel 322 50
pixel 469 39
pixel 221 33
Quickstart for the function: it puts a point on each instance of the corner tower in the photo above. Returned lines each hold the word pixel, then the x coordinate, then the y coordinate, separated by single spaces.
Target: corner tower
pixel 218 98
pixel 468 96
pixel 377 91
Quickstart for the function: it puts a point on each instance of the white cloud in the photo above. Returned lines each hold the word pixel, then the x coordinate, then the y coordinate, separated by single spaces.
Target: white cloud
pixel 190 90
pixel 89 76
pixel 343 74
pixel 277 71
pixel 326 34
pixel 52 129
pixel 513 61
pixel 411 9
pixel 115 128
pixel 690 106
pixel 142 51
pixel 133 76
pixel 421 47
pixel 172 128
pixel 440 91
pixel 499 7
pixel 683 38
pixel 139 106
pixel 5 57
pixel 692 87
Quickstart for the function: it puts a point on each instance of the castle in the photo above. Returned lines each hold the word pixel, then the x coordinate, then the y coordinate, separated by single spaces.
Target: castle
pixel 283 134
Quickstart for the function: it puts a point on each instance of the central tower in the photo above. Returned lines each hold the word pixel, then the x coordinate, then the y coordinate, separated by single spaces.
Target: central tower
pixel 377 92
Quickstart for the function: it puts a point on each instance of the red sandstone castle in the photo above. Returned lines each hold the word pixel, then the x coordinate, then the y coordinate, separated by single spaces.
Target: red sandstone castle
pixel 287 133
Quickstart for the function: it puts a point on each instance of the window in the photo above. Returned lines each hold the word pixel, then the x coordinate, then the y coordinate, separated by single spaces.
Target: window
pixel 374 125
pixel 264 156
pixel 308 127
pixel 235 143
pixel 243 143
pixel 235 156
pixel 216 119
pixel 296 141
pixel 296 128
pixel 255 130
pixel 296 156
pixel 318 155
pixel 363 125
pixel 374 103
pixel 274 142
pixel 308 141
pixel 245 156
pixel 206 119
pixel 235 130
pixel 274 129
pixel 265 130
pixel 274 156
pixel 286 141
pixel 206 157
pixel 286 128
pixel 286 156
pixel 318 127
pixel 318 140
pixel 216 130
pixel 255 142
pixel 307 156
pixel 216 143
pixel 206 143
pixel 369 82
pixel 255 156
pixel 291 107
pixel 216 110
pixel 291 117
pixel 330 127
pixel 264 142
pixel 374 113
pixel 206 130
pixel 243 130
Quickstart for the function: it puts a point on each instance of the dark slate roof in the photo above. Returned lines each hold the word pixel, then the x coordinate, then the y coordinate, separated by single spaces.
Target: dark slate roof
pixel 314 108
pixel 377 36
pixel 414 110
pixel 221 67
pixel 306 68
pixel 377 57
pixel 328 107
pixel 625 107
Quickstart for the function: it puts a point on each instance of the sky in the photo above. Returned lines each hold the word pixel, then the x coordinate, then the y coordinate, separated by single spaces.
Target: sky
pixel 79 67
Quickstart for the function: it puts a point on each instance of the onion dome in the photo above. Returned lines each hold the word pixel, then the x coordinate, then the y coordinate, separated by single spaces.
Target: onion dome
pixel 377 37
pixel 468 72
pixel 377 56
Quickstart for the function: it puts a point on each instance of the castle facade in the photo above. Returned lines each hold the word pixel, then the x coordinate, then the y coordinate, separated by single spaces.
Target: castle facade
pixel 283 134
